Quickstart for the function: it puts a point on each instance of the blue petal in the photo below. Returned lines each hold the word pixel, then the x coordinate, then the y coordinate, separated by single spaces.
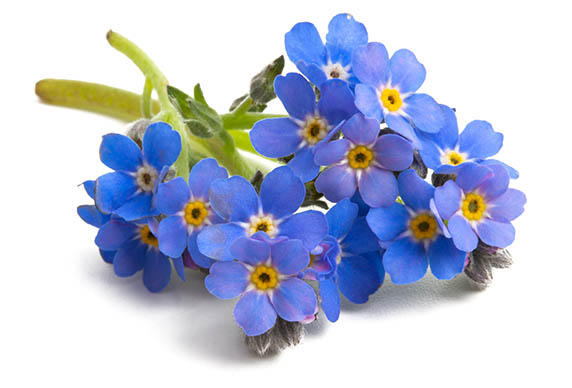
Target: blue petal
pixel 331 152
pixel 90 215
pixel 336 183
pixel 172 236
pixel 388 222
pixel 367 101
pixel 129 259
pixel 358 278
pixel 448 199
pixel 344 36
pixel 511 171
pixel 439 218
pixel 496 234
pixel 430 152
pixel 281 192
pixel 463 235
pixel 137 207
pixel 309 226
pixel 119 152
pixel 294 300
pixel 407 74
pixel 496 185
pixel 341 217
pixel 415 192
pixel 446 261
pixel 214 241
pixel 161 145
pixel 472 175
pixel 363 208
pixel 296 95
pixel 112 235
pixel 330 297
pixel 254 313
pixel 172 196
pixel 393 152
pixel 303 166
pixel 336 101
pixel 402 126
pixel 508 206
pixel 275 138
pixel 203 174
pixel 227 280
pixel 370 64
pixel 479 140
pixel 107 256
pixel 179 267
pixel 360 239
pixel 249 250
pixel 157 271
pixel 405 261
pixel 303 43
pixel 446 139
pixel 290 257
pixel 426 114
pixel 196 256
pixel 361 130
pixel 234 199
pixel 313 72
pixel 89 187
pixel 113 190
pixel 378 187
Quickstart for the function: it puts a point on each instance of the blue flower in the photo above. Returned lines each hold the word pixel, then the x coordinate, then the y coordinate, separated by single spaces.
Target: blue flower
pixel 479 205
pixel 446 151
pixel 387 91
pixel 413 235
pixel 128 192
pixel 264 276
pixel 332 61
pixel 91 215
pixel 137 249
pixel 188 210
pixel 309 122
pixel 348 260
pixel 362 160
pixel 236 201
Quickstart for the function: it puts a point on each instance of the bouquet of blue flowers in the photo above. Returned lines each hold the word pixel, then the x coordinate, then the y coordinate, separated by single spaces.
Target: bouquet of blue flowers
pixel 286 213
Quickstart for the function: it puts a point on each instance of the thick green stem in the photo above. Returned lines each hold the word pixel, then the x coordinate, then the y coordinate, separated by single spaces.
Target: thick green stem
pixel 231 121
pixel 146 108
pixel 105 100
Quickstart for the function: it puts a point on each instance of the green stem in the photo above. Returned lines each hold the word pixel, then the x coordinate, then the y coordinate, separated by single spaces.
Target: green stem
pixel 146 109
pixel 231 121
pixel 105 100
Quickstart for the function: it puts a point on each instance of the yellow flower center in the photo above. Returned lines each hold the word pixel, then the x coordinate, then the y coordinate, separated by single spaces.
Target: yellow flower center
pixel 360 157
pixel 147 237
pixel 453 157
pixel 264 277
pixel 473 207
pixel 423 226
pixel 262 224
pixel 391 99
pixel 195 213
pixel 315 129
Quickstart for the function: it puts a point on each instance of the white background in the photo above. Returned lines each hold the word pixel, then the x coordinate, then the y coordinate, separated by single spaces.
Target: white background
pixel 68 321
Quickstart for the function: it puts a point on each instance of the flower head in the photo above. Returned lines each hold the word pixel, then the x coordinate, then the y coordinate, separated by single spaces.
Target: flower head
pixel 188 210
pixel 362 160
pixel 264 275
pixel 137 248
pixel 387 91
pixel 446 151
pixel 414 236
pixel 245 213
pixel 128 191
pixel 321 62
pixel 478 204
pixel 309 122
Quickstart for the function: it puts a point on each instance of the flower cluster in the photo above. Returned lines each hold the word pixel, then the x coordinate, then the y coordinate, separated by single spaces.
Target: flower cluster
pixel 356 132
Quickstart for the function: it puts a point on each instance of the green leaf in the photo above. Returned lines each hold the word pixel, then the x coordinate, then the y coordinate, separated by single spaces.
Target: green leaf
pixel 205 114
pixel 179 100
pixel 199 96
pixel 242 141
pixel 199 129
